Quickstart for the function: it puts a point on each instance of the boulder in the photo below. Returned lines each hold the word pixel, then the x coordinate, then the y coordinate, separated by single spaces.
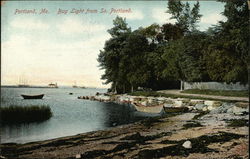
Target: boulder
pixel 236 110
pixel 242 104
pixel 178 103
pixel 200 106
pixel 224 108
pixel 205 108
pixel 187 144
pixel 210 107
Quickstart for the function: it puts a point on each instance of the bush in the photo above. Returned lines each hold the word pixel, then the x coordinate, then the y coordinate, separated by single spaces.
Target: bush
pixel 25 114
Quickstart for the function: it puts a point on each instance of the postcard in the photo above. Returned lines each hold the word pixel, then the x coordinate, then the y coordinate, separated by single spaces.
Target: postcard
pixel 124 79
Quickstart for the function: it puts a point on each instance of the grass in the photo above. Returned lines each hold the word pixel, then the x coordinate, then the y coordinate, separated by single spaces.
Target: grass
pixel 217 92
pixel 159 94
pixel 27 114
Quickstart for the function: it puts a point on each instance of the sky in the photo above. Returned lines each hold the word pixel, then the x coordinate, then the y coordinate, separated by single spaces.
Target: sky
pixel 61 45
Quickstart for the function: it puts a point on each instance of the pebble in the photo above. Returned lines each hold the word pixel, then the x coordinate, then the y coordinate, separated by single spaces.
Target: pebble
pixel 187 144
pixel 78 155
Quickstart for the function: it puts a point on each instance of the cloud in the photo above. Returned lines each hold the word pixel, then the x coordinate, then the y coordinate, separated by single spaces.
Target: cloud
pixel 29 24
pixel 134 15
pixel 212 18
pixel 75 25
pixel 160 15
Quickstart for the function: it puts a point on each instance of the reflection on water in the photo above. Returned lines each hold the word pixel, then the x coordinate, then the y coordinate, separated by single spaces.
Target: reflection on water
pixel 70 115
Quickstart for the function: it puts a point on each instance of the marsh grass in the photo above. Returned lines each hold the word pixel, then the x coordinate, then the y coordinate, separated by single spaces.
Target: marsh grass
pixel 25 114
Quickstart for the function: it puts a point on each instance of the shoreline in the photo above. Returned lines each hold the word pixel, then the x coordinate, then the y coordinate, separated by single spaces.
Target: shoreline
pixel 221 132
pixel 147 138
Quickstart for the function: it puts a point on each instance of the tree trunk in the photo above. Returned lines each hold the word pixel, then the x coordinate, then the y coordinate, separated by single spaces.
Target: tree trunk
pixel 123 89
pixel 182 85
pixel 132 88
pixel 115 88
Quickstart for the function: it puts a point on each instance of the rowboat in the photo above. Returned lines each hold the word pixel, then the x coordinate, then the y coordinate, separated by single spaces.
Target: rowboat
pixel 148 109
pixel 40 96
pixel 175 109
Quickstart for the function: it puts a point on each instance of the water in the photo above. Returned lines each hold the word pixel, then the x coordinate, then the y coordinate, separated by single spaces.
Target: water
pixel 71 116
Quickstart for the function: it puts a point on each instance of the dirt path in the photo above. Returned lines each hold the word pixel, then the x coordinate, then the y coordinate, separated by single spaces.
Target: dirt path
pixel 178 92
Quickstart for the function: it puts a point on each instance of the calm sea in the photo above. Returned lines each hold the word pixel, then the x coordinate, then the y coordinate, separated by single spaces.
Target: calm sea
pixel 71 116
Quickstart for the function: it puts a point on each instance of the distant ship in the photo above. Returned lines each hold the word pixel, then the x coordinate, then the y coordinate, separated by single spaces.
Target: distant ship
pixel 75 86
pixel 53 85
pixel 23 83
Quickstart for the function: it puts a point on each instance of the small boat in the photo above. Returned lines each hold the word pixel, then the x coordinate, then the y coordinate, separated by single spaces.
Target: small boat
pixel 175 109
pixel 148 109
pixel 70 93
pixel 40 96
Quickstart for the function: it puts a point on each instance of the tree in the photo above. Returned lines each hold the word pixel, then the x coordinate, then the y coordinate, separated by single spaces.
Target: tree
pixel 228 55
pixel 186 17
pixel 185 58
pixel 109 58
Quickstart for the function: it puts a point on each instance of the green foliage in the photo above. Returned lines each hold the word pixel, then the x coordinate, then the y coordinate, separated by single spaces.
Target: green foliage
pixel 186 17
pixel 158 57
pixel 25 114
pixel 185 58
pixel 120 27
pixel 229 50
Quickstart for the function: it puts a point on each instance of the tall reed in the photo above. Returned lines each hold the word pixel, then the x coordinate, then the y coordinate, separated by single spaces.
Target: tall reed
pixel 25 114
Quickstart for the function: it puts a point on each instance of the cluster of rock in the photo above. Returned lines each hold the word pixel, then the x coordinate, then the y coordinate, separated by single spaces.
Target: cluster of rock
pixel 214 107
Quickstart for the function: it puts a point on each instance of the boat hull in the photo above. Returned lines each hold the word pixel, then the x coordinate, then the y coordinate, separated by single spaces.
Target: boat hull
pixel 148 109
pixel 40 96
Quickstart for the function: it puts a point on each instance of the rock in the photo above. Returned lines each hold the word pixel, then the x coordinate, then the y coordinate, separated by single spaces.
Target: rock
pixel 190 107
pixel 178 103
pixel 145 103
pixel 208 102
pixel 242 104
pixel 186 101
pixel 169 102
pixel 78 155
pixel 161 98
pixel 205 108
pixel 168 105
pixel 199 106
pixel 236 110
pixel 187 144
pixel 150 100
pixel 210 107
pixel 196 101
